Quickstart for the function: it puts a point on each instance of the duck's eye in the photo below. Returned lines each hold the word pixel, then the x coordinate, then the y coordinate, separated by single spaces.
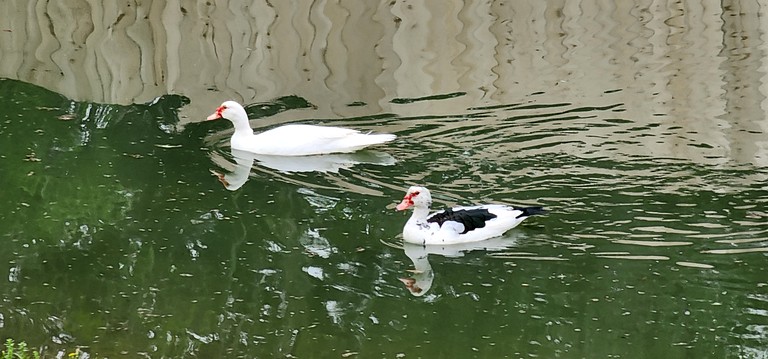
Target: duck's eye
pixel 414 194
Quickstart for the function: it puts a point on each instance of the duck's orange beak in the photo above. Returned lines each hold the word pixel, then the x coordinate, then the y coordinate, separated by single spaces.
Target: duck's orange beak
pixel 216 115
pixel 407 201
pixel 405 204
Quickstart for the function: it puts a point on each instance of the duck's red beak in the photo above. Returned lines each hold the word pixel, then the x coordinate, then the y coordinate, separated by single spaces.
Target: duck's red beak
pixel 216 115
pixel 405 204
pixel 407 201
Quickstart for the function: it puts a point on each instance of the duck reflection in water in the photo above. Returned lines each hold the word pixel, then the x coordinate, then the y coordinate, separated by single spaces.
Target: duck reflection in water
pixel 330 163
pixel 422 274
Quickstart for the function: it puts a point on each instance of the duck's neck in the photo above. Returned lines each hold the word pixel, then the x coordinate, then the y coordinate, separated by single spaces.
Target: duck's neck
pixel 243 128
pixel 241 124
pixel 420 214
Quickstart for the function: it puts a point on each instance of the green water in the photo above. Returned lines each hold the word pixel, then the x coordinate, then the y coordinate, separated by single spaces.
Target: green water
pixel 118 237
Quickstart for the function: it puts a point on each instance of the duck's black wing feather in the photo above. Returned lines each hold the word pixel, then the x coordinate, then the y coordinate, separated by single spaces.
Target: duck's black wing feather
pixel 470 218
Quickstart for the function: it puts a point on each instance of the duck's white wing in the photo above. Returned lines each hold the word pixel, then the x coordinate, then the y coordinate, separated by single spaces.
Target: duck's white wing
pixel 300 140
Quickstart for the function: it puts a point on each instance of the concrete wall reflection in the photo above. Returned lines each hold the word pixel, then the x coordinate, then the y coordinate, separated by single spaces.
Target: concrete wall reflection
pixel 695 63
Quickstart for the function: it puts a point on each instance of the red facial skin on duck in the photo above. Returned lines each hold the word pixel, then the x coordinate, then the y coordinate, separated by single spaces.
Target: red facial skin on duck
pixel 407 201
pixel 216 115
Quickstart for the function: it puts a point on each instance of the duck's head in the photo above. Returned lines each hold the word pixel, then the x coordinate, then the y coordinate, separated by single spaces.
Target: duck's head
pixel 416 196
pixel 230 110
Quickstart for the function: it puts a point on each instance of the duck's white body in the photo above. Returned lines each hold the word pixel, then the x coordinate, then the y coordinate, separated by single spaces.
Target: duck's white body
pixel 293 140
pixel 458 224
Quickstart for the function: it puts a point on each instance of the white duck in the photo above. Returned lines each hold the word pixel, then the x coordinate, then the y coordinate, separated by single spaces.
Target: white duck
pixel 458 224
pixel 293 140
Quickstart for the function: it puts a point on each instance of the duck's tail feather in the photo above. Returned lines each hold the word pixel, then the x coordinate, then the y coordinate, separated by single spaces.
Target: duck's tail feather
pixel 530 211
pixel 375 138
pixel 361 140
